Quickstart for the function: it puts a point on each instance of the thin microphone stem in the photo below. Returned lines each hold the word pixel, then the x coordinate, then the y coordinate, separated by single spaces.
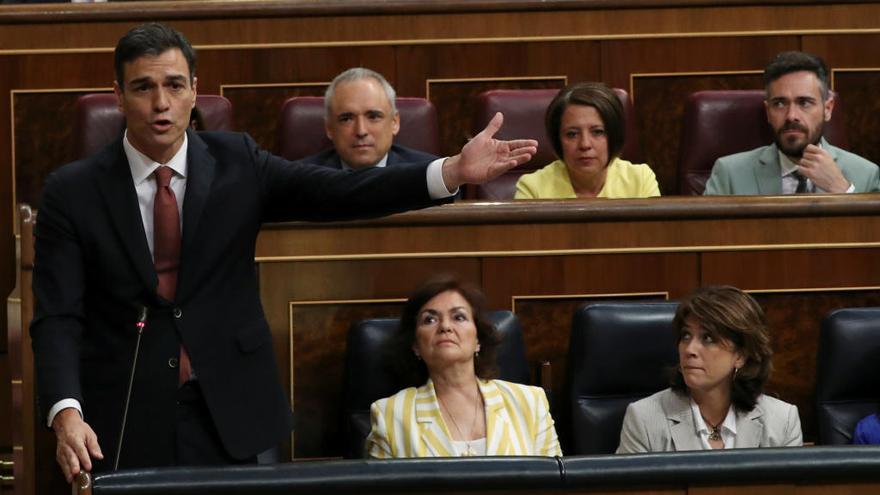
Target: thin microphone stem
pixel 141 323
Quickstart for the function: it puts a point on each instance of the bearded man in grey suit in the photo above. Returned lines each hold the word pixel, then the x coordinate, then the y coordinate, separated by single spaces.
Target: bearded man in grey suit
pixel 798 105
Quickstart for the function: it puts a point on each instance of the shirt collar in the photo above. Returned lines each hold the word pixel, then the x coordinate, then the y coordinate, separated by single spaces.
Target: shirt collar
pixel 142 166
pixel 786 164
pixel 728 424
pixel 380 163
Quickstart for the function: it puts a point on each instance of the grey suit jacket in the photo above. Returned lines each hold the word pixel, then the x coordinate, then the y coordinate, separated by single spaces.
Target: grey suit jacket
pixel 664 422
pixel 758 172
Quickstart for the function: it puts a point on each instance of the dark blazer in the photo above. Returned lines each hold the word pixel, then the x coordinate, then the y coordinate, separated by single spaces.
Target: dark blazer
pixel 396 155
pixel 93 272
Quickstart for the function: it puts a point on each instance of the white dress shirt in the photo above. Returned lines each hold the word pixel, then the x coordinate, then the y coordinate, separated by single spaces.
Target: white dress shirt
pixel 727 427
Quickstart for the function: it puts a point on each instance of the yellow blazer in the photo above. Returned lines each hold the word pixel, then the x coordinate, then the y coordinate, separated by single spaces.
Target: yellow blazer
pixel 623 180
pixel 409 424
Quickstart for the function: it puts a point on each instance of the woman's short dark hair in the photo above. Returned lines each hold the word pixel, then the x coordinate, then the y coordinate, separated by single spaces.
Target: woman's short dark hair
pixel 730 315
pixel 598 96
pixel 413 371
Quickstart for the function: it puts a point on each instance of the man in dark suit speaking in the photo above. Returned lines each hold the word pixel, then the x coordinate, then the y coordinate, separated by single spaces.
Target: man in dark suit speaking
pixel 158 229
pixel 361 119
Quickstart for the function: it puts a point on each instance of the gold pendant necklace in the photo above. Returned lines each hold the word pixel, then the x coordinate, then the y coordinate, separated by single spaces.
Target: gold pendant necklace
pixel 714 434
pixel 468 451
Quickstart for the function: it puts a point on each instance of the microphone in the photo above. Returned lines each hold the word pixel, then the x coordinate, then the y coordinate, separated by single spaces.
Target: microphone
pixel 141 323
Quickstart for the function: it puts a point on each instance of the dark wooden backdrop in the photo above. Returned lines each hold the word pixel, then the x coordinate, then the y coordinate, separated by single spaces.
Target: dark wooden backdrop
pixel 259 53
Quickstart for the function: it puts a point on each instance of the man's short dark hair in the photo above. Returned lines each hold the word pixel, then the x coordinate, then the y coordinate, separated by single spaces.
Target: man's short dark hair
pixel 151 39
pixel 592 94
pixel 788 62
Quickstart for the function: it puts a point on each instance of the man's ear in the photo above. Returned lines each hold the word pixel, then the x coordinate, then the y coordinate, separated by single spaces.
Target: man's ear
pixel 829 106
pixel 767 110
pixel 117 90
pixel 195 83
pixel 395 128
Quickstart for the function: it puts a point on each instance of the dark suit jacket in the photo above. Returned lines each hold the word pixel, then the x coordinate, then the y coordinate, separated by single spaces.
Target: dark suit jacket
pixel 396 155
pixel 93 272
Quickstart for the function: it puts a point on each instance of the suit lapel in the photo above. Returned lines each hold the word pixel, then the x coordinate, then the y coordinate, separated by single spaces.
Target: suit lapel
pixel 117 188
pixel 749 428
pixel 393 156
pixel 500 439
pixel 681 422
pixel 432 431
pixel 768 173
pixel 201 167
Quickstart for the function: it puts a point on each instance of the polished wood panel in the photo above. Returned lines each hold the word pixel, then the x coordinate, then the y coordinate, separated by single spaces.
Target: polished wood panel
pixel 41 145
pixel 858 90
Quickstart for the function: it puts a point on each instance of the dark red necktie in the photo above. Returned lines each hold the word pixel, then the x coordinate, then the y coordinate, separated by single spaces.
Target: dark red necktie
pixel 166 247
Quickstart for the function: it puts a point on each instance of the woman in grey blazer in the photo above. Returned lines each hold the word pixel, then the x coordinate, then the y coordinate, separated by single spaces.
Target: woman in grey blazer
pixel 716 399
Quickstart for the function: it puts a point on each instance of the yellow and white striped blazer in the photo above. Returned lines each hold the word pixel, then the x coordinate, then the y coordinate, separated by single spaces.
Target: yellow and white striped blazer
pixel 409 424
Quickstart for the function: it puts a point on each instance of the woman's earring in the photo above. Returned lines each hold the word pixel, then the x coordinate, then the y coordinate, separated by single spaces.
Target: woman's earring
pixel 735 371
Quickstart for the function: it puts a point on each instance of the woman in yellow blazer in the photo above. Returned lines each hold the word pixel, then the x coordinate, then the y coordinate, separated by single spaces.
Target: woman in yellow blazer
pixel 586 124
pixel 448 345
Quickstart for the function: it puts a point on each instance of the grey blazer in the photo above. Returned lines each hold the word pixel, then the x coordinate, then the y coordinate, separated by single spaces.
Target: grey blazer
pixel 664 422
pixel 758 172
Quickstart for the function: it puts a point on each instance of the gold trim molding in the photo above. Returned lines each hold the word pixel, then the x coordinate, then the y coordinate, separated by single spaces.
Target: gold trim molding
pixel 612 295
pixel 472 40
pixel 430 81
pixel 567 252
pixel 273 85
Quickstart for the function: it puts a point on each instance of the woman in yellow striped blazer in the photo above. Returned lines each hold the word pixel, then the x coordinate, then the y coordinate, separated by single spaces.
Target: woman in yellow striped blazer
pixel 447 344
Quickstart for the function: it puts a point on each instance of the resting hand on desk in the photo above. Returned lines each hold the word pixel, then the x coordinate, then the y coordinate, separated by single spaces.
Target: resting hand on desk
pixel 76 445
pixel 483 158
pixel 818 165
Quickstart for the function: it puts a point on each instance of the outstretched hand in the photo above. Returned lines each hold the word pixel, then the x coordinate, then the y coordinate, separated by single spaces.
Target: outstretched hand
pixel 483 158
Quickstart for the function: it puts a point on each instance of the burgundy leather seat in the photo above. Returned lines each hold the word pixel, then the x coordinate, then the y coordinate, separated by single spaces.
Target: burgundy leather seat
pixel 301 126
pixel 99 121
pixel 524 111
pixel 720 123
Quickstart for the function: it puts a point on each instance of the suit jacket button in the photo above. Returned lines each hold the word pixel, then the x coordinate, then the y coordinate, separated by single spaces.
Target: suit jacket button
pixel 172 362
pixel 177 313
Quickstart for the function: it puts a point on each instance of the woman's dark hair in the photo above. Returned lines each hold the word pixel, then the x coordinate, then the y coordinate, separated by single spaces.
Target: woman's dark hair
pixel 413 371
pixel 730 315
pixel 598 96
